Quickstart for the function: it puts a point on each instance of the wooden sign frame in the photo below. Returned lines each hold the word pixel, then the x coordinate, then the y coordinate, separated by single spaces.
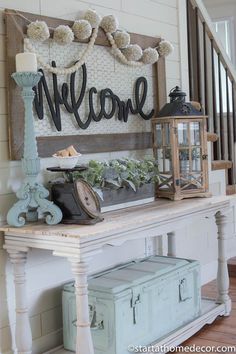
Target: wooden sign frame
pixel 15 33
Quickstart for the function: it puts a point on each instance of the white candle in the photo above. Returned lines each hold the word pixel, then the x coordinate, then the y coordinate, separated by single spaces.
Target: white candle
pixel 26 62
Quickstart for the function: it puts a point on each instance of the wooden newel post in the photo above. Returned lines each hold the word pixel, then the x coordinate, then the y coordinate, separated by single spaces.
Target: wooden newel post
pixel 222 222
pixel 84 344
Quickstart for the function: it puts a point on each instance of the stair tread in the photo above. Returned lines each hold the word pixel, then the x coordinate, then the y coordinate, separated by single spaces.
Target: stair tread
pixel 212 137
pixel 221 165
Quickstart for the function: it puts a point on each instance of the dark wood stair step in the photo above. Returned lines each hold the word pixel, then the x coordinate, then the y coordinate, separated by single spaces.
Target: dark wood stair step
pixel 232 267
pixel 221 165
pixel 212 137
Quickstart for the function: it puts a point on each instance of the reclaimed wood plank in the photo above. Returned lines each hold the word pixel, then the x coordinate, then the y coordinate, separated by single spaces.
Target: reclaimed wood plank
pixel 16 26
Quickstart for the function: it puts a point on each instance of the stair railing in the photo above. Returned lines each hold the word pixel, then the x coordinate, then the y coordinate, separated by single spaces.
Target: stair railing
pixel 212 82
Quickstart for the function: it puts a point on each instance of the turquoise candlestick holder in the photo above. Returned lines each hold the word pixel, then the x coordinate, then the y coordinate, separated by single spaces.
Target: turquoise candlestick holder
pixel 32 195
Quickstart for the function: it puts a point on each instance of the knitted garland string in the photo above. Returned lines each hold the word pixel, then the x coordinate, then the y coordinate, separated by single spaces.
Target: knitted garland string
pixel 73 68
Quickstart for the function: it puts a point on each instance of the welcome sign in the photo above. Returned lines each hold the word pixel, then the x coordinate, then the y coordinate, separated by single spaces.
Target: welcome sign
pixel 104 106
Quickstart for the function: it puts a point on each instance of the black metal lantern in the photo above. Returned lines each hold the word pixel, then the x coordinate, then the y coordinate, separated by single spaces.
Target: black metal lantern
pixel 180 146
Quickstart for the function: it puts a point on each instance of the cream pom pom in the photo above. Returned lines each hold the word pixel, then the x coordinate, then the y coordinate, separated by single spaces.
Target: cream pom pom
pixel 63 35
pixel 92 17
pixel 150 56
pixel 82 29
pixel 109 23
pixel 122 39
pixel 38 31
pixel 132 52
pixel 165 48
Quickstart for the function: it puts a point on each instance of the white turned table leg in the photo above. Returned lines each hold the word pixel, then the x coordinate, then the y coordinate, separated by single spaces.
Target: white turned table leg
pixel 159 251
pixel 23 330
pixel 84 344
pixel 222 220
pixel 171 237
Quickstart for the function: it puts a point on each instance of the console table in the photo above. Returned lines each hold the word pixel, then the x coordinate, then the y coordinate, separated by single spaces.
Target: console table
pixel 80 243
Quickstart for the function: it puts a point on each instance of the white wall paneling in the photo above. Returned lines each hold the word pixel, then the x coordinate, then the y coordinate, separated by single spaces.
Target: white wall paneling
pixel 151 17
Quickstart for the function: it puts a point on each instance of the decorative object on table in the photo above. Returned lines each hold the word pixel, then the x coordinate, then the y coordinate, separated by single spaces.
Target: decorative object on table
pixel 119 181
pixel 61 118
pixel 123 303
pixel 67 158
pixel 78 202
pixel 87 28
pixel 180 146
pixel 32 195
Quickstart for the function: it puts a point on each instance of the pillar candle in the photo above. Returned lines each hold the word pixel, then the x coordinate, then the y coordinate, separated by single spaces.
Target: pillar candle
pixel 26 62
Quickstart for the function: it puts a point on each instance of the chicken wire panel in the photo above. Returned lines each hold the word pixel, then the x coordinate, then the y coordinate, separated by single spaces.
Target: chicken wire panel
pixel 103 71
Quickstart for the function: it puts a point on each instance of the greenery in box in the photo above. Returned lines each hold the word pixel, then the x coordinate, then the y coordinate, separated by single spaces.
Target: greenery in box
pixel 118 173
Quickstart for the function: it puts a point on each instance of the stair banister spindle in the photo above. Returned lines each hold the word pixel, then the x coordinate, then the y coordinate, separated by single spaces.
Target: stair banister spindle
pixel 216 147
pixel 221 125
pixel 205 72
pixel 199 74
pixel 229 129
pixel 233 109
pixel 231 142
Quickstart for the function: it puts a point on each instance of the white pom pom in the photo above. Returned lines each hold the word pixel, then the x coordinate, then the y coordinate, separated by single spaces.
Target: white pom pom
pixel 63 35
pixel 122 39
pixel 82 29
pixel 150 56
pixel 132 52
pixel 109 23
pixel 38 31
pixel 92 17
pixel 165 48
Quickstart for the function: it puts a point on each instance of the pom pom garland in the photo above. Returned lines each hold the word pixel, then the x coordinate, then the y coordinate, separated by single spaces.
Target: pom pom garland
pixel 122 39
pixel 38 31
pixel 132 52
pixel 88 26
pixel 109 24
pixel 63 35
pixel 150 56
pixel 82 29
pixel 165 48
pixel 92 17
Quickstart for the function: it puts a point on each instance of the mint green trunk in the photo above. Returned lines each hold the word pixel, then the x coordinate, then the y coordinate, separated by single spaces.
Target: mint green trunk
pixel 136 303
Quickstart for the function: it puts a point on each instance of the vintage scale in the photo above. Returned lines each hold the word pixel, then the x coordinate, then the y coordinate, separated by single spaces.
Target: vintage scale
pixel 77 200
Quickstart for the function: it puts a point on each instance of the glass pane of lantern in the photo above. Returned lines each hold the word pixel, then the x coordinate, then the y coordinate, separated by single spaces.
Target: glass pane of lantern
pixel 195 133
pixel 159 134
pixel 167 163
pixel 196 160
pixel 167 133
pixel 183 134
pixel 191 181
pixel 160 160
pixel 165 177
pixel 184 163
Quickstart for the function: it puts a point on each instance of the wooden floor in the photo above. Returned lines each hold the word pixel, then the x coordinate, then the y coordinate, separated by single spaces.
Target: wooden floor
pixel 223 331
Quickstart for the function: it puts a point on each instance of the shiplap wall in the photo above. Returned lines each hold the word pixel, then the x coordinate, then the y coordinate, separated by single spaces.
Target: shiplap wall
pixel 46 274
pixel 150 17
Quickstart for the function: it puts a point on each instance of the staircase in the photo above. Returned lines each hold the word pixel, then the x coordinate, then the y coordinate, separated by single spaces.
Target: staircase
pixel 212 82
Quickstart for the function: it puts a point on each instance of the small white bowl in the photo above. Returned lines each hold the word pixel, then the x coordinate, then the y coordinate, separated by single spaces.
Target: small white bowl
pixel 68 161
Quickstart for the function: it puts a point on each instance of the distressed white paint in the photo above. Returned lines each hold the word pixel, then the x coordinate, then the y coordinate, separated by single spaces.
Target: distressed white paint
pixel 81 244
